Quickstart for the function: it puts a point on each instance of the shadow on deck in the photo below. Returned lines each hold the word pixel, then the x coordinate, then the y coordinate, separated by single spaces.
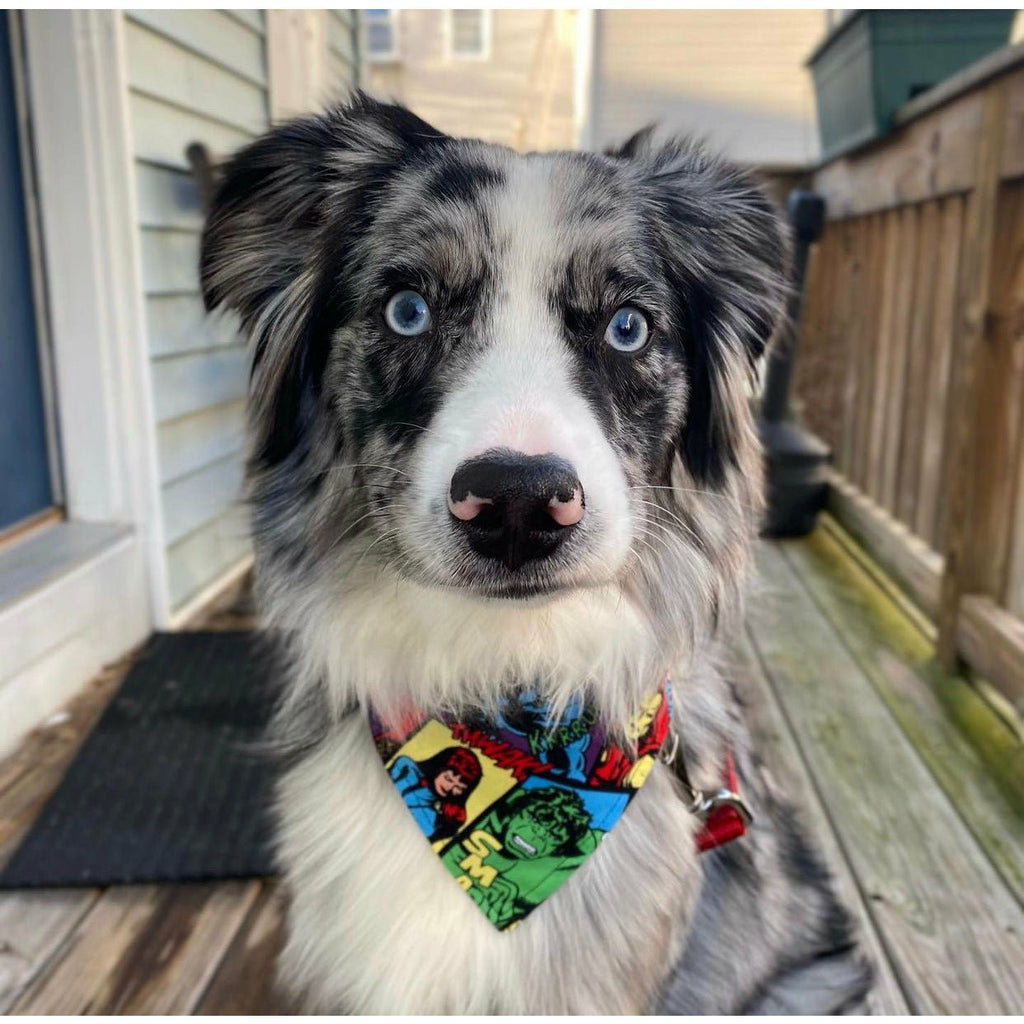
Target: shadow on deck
pixel 912 783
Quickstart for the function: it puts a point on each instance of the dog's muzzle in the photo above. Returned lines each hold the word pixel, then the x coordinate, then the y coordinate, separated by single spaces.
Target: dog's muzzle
pixel 515 508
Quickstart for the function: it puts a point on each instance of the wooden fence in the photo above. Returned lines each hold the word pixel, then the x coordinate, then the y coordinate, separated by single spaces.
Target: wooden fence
pixel 912 357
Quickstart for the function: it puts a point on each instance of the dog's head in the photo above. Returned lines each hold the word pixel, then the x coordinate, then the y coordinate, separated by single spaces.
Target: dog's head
pixel 493 383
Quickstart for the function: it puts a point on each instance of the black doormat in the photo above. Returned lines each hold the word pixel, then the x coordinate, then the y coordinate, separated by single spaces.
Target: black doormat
pixel 172 784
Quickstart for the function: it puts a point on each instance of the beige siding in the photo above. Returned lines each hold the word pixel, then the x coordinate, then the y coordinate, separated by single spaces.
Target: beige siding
pixel 736 78
pixel 194 76
pixel 520 95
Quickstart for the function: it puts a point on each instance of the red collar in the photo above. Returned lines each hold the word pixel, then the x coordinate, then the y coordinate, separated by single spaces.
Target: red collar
pixel 723 811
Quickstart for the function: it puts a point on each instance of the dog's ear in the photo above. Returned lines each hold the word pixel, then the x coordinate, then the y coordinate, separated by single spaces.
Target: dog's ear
pixel 301 189
pixel 726 249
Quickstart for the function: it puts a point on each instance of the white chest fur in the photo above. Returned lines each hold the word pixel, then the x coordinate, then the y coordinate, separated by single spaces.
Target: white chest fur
pixel 377 925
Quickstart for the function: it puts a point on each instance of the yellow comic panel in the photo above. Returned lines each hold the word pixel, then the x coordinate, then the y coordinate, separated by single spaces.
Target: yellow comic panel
pixel 455 770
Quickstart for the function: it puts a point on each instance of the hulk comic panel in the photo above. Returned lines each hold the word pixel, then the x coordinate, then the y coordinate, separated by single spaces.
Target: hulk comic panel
pixel 525 846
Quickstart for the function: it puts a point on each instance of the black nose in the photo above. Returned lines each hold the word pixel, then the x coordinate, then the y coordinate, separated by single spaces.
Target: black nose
pixel 513 507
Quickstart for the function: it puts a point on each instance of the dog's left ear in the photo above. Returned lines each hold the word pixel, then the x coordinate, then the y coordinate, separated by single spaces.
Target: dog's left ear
pixel 727 251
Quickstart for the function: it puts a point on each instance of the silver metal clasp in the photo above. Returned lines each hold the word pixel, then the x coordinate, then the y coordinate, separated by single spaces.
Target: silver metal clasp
pixel 705 801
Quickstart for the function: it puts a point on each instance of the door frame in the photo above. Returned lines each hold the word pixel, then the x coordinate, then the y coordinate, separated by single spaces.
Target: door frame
pixel 33 229
pixel 95 584
pixel 82 149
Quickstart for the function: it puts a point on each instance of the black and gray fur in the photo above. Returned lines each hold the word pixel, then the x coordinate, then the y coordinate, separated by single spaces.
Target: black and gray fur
pixel 354 433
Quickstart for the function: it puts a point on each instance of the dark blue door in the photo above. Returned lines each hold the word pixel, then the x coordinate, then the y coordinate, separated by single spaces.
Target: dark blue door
pixel 25 485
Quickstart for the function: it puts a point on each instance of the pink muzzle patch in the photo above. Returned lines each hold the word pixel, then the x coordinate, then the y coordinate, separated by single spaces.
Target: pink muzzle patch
pixel 567 513
pixel 469 507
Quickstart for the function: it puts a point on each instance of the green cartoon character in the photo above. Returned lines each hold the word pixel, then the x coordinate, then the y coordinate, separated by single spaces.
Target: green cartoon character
pixel 522 851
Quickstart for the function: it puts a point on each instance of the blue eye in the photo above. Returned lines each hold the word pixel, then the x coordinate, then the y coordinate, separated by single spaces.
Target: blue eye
pixel 627 330
pixel 407 313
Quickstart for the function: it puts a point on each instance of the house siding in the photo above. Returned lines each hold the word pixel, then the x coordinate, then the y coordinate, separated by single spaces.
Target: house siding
pixel 199 76
pixel 521 94
pixel 193 76
pixel 734 78
pixel 342 65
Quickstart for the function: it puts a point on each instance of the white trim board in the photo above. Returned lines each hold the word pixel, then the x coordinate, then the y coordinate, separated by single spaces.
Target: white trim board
pixel 80 594
pixel 62 632
pixel 78 97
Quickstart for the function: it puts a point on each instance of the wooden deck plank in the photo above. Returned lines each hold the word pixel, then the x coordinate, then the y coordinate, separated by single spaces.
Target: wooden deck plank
pixel 785 773
pixel 943 930
pixel 33 927
pixel 143 949
pixel 984 782
pixel 245 981
pixel 950 924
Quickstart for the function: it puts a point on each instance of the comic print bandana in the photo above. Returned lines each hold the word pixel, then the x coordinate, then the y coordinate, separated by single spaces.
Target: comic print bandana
pixel 515 804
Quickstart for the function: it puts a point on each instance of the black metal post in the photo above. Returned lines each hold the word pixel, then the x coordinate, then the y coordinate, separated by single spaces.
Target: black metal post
pixel 795 459
pixel 807 218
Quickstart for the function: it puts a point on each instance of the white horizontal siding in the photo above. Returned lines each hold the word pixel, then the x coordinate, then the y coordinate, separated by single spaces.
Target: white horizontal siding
pixel 167 197
pixel 177 325
pixel 193 76
pixel 252 19
pixel 202 556
pixel 188 444
pixel 170 261
pixel 341 52
pixel 195 500
pixel 162 131
pixel 184 385
pixel 159 67
pixel 214 35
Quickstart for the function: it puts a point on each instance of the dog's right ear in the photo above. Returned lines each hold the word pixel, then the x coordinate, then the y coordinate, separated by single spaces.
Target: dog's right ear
pixel 262 245
pixel 277 194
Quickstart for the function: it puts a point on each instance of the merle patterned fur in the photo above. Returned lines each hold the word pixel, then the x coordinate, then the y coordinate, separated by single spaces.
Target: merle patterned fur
pixel 355 432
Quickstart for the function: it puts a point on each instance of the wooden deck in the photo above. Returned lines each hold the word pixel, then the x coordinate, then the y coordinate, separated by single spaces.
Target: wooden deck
pixel 912 782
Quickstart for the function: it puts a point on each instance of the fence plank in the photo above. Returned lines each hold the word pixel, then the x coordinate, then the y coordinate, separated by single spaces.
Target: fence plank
pixel 972 328
pixel 1013 148
pixel 917 365
pixel 940 360
pixel 1015 563
pixel 888 274
pixel 867 318
pixel 895 406
pixel 845 292
pixel 1000 390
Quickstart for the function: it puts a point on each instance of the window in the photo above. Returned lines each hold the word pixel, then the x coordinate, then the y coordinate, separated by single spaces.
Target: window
pixel 380 35
pixel 469 35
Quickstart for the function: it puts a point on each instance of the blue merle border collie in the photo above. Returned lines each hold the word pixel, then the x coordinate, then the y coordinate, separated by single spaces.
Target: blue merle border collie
pixel 500 436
